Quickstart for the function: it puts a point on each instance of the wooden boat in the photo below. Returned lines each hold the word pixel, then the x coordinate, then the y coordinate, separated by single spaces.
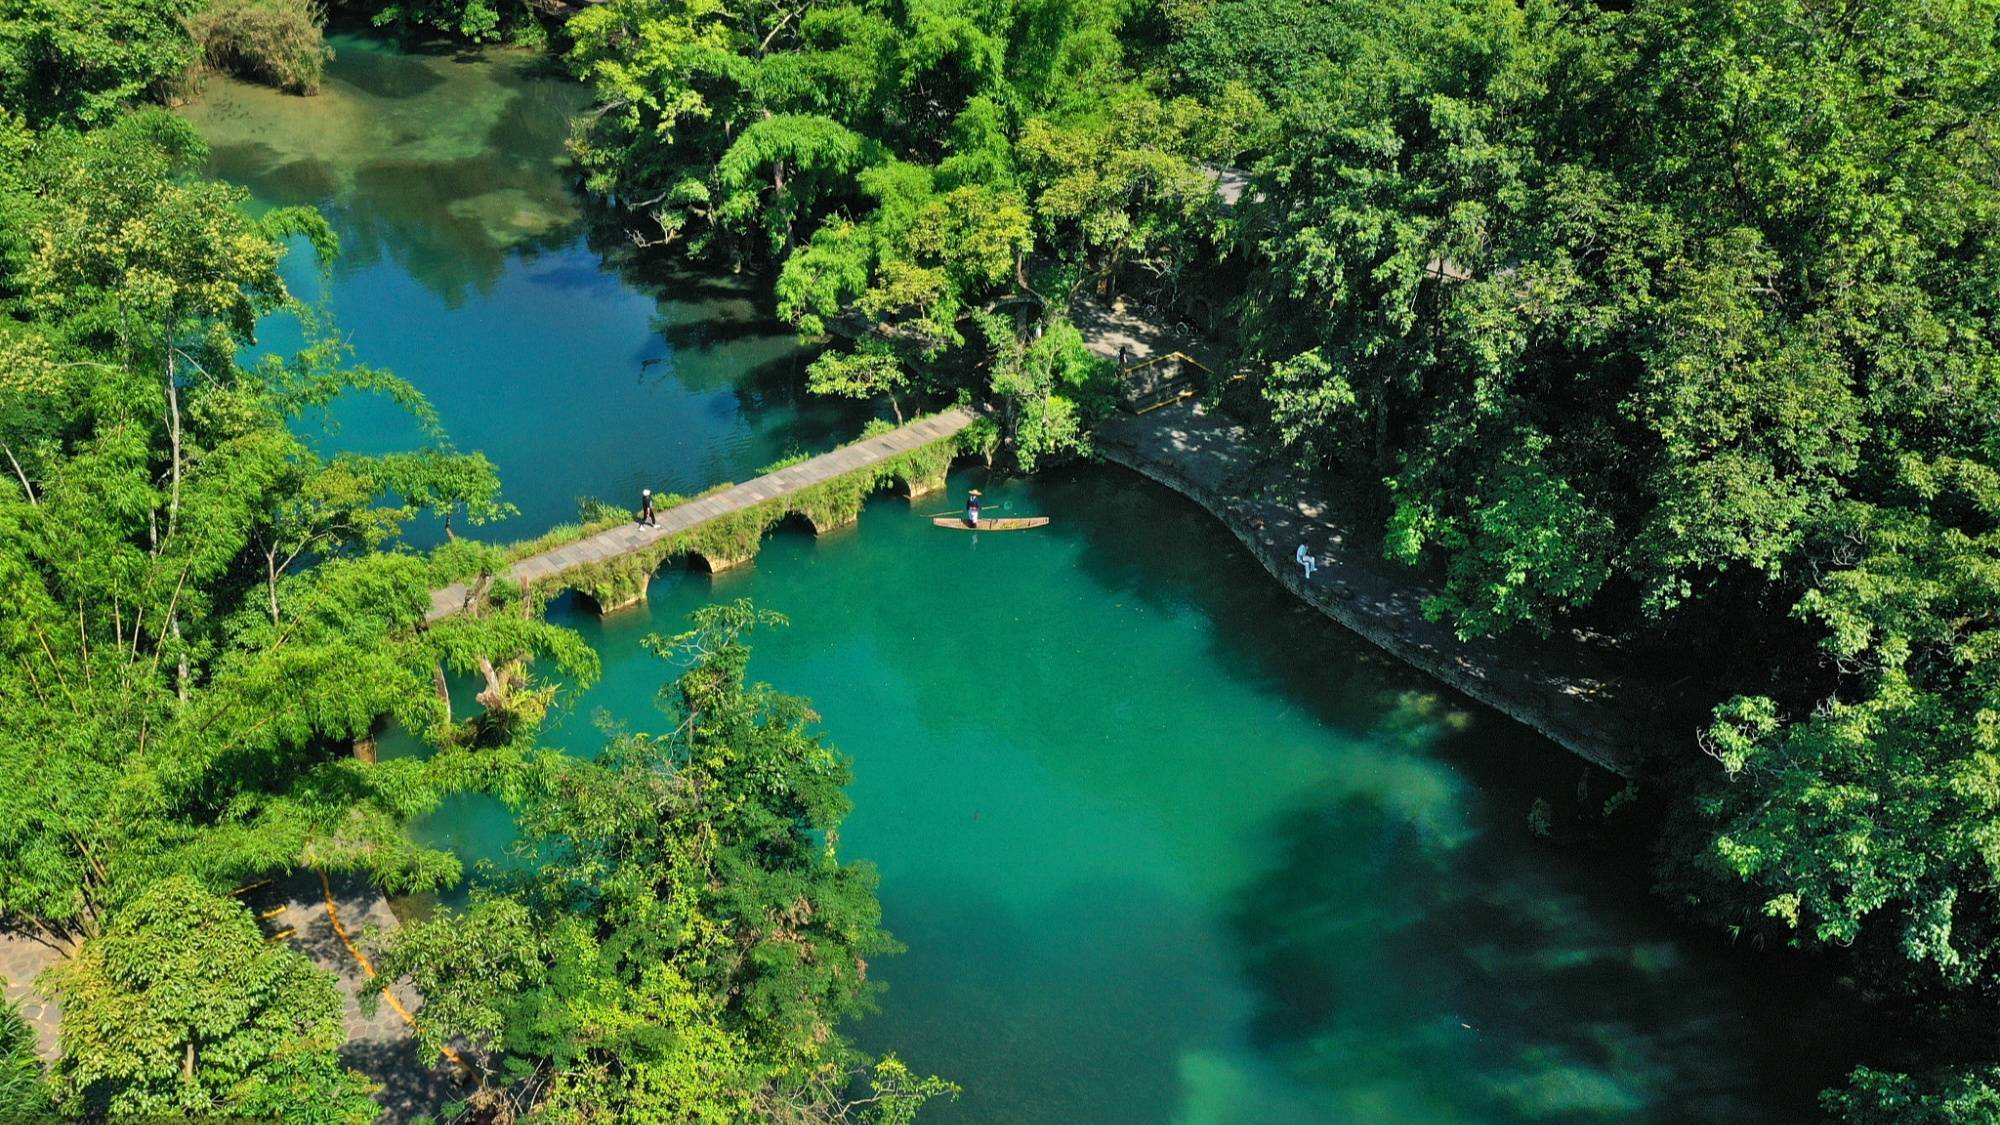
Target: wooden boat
pixel 991 523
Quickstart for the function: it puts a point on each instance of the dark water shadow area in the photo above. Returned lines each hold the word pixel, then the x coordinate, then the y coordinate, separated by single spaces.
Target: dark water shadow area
pixel 1563 956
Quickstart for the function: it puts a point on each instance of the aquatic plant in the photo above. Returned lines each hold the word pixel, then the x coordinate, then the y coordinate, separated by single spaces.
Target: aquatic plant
pixel 276 42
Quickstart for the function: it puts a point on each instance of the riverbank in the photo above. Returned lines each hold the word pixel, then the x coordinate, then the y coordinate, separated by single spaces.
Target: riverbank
pixel 1556 685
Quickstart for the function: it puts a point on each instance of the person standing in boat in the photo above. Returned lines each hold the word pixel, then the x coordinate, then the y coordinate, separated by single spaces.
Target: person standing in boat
pixel 972 506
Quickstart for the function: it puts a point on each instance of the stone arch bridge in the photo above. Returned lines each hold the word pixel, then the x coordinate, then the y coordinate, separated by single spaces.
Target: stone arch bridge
pixel 724 528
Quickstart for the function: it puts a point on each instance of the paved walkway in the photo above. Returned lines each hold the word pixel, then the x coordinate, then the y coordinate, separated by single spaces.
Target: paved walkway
pixel 22 959
pixel 1107 328
pixel 628 538
pixel 1567 686
pixel 381 1046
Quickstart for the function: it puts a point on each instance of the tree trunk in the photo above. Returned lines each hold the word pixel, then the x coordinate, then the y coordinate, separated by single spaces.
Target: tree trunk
pixel 494 698
pixel 1382 429
pixel 271 581
pixel 25 486
pixel 443 689
pixel 180 656
pixel 777 195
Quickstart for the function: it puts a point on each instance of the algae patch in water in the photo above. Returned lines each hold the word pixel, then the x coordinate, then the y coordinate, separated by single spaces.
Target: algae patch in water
pixel 445 162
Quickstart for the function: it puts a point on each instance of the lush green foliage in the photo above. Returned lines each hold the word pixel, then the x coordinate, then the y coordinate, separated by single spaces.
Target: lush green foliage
pixel 1674 319
pixel 1678 319
pixel 64 63
pixel 276 42
pixel 206 618
pixel 81 62
pixel 687 939
pixel 1949 1098
pixel 179 689
pixel 912 169
pixel 477 20
pixel 24 1091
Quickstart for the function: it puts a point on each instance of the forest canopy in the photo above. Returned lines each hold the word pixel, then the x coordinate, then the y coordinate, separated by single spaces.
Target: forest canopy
pixel 211 615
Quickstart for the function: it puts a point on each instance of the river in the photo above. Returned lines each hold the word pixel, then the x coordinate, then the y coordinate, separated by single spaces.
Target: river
pixel 1164 845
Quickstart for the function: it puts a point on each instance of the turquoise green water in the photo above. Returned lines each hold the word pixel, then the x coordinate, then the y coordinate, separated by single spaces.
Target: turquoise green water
pixel 1164 845
pixel 469 267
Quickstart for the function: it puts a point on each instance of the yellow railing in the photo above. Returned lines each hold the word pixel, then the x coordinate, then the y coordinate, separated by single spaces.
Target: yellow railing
pixel 1182 356
pixel 368 969
pixel 1184 392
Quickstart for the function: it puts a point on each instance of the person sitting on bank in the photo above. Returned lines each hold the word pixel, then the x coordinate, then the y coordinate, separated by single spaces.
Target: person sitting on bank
pixel 646 508
pixel 972 505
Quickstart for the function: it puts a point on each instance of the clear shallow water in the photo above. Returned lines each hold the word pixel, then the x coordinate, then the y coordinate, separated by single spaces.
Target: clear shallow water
pixel 470 268
pixel 1164 845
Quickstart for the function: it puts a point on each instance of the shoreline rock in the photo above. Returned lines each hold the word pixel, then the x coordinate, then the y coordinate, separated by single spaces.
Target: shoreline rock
pixel 1557 685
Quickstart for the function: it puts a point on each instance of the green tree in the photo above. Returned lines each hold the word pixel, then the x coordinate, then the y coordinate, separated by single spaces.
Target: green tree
pixel 1048 387
pixel 1883 799
pixel 181 1008
pixel 908 167
pixel 688 936
pixel 24 1090
pixel 69 63
pixel 1955 1097
pixel 871 371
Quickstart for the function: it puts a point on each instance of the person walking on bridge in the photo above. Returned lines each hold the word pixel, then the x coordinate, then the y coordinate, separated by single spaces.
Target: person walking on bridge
pixel 646 515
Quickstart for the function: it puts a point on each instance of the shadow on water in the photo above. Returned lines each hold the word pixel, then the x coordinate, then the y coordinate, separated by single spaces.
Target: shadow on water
pixel 382 74
pixel 1590 1002
pixel 445 165
pixel 446 223
pixel 275 178
pixel 1393 919
pixel 728 326
pixel 1576 1008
